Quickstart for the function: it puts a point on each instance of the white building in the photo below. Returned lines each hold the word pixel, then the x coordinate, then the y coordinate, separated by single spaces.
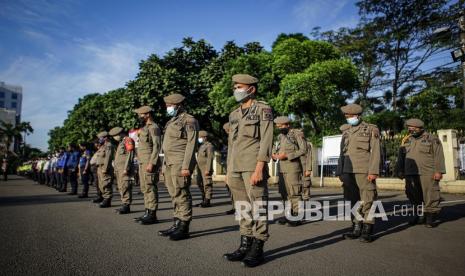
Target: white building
pixel 11 98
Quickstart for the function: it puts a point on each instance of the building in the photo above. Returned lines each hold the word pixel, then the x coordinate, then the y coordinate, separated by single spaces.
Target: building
pixel 11 99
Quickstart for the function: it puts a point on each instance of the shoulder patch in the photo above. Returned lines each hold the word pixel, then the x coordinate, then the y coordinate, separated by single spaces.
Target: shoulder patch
pixel 267 114
pixel 129 144
pixel 375 132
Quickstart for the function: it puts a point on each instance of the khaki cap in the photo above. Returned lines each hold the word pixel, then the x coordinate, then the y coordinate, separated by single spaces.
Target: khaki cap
pixel 174 98
pixel 244 79
pixel 282 120
pixel 203 133
pixel 414 122
pixel 352 109
pixel 143 110
pixel 115 131
pixel 102 134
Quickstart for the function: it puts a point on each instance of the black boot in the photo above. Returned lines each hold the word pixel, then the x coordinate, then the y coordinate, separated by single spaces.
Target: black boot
pixel 167 232
pixel 355 233
pixel 143 216
pixel 367 233
pixel 181 232
pixel 239 254
pixel 430 219
pixel 294 223
pixel 205 203
pixel 106 203
pixel 97 200
pixel 83 196
pixel 72 193
pixel 255 255
pixel 282 220
pixel 151 218
pixel 125 209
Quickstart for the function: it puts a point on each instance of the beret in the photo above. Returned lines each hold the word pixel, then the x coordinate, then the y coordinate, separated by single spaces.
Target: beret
pixel 226 127
pixel 102 134
pixel 352 109
pixel 282 120
pixel 414 122
pixel 174 98
pixel 143 109
pixel 244 78
pixel 115 131
pixel 203 133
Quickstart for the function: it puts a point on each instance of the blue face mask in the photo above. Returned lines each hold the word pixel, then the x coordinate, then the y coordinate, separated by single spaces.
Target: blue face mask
pixel 353 121
pixel 171 111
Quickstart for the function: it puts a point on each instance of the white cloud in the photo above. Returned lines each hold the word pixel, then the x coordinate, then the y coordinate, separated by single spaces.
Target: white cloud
pixel 53 83
pixel 323 13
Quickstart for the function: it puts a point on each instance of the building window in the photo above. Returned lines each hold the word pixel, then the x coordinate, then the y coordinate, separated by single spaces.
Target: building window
pixel 14 96
pixel 13 105
pixel 2 104
pixel 2 94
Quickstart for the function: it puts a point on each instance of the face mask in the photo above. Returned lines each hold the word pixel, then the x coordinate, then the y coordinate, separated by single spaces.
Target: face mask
pixel 142 121
pixel 353 121
pixel 117 138
pixel 415 133
pixel 101 141
pixel 241 95
pixel 200 140
pixel 284 130
pixel 171 111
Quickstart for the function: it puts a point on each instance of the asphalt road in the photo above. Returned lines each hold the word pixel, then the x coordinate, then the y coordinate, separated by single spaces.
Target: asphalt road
pixel 43 232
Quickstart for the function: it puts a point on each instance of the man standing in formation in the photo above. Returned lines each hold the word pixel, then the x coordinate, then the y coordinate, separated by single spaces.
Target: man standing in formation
pixel 421 163
pixel 105 169
pixel 179 146
pixel 204 166
pixel 358 169
pixel 290 147
pixel 249 151
pixel 149 163
pixel 123 167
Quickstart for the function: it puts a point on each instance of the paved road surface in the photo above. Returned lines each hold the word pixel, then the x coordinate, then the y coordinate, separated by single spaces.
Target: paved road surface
pixel 43 232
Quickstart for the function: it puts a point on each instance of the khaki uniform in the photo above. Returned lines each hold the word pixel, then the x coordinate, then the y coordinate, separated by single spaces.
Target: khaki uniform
pixel 205 164
pixel 250 141
pixel 307 160
pixel 419 159
pixel 179 145
pixel 105 169
pixel 147 153
pixel 360 156
pixel 124 171
pixel 290 170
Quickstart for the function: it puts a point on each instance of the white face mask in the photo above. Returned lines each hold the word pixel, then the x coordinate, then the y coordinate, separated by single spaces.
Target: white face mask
pixel 171 111
pixel 200 140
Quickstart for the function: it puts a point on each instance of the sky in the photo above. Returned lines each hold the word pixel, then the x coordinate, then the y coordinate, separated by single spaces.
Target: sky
pixel 61 50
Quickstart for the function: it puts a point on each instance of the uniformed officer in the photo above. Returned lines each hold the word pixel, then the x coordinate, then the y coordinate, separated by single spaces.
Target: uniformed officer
pixel 123 165
pixel 306 160
pixel 204 167
pixel 179 146
pixel 249 150
pixel 290 147
pixel 358 168
pixel 232 210
pixel 421 163
pixel 94 162
pixel 149 163
pixel 105 169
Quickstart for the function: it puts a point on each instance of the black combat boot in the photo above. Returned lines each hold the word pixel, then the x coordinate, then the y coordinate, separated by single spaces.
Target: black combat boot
pixel 181 232
pixel 151 218
pixel 355 233
pixel 294 223
pixel 106 203
pixel 231 212
pixel 239 254
pixel 282 220
pixel 367 233
pixel 97 200
pixel 125 209
pixel 205 203
pixel 83 195
pixel 255 255
pixel 430 219
pixel 167 232
pixel 72 193
pixel 143 216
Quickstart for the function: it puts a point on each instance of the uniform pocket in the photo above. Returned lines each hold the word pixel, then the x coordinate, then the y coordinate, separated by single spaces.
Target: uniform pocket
pixel 426 148
pixel 363 142
pixel 250 129
pixel 175 131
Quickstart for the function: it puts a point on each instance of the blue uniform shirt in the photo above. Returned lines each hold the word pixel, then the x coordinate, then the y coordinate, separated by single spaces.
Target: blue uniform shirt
pixel 84 158
pixel 73 160
pixel 62 160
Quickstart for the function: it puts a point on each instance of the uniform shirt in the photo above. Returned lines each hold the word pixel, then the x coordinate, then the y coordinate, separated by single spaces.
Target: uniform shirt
pixel 205 157
pixel 62 159
pixel 149 144
pixel 421 156
pixel 180 141
pixel 124 156
pixel 106 153
pixel 85 158
pixel 73 160
pixel 251 137
pixel 294 146
pixel 360 149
